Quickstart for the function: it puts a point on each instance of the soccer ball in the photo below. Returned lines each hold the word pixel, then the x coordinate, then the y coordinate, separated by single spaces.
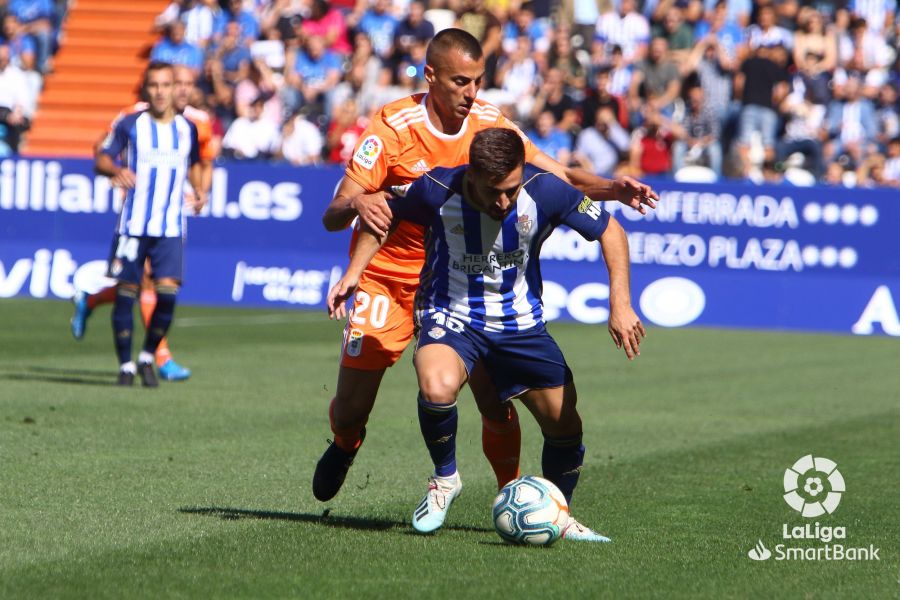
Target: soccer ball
pixel 530 510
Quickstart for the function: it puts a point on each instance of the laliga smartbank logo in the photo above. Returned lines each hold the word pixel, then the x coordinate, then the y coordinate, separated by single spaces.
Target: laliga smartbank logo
pixel 813 486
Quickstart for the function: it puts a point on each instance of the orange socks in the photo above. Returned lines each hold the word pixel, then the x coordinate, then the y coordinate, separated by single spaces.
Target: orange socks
pixel 104 296
pixel 502 443
pixel 348 438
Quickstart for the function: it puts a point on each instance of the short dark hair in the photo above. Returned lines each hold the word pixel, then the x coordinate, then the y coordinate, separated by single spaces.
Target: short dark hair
pixel 496 152
pixel 154 66
pixel 453 39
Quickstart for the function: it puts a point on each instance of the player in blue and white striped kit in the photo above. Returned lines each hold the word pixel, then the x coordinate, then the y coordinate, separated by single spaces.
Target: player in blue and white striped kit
pixel 480 300
pixel 159 151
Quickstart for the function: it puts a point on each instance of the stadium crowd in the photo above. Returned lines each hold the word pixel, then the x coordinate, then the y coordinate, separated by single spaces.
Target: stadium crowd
pixel 776 90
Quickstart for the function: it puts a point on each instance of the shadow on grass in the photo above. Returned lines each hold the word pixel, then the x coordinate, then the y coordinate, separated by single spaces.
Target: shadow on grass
pixel 325 519
pixel 67 379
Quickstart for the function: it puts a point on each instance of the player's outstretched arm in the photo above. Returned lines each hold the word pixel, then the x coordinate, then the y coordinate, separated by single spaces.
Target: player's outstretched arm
pixel 122 177
pixel 625 327
pixel 367 245
pixel 350 201
pixel 626 190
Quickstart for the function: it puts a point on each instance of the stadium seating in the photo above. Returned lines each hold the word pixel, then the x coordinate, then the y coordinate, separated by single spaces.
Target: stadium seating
pixel 96 73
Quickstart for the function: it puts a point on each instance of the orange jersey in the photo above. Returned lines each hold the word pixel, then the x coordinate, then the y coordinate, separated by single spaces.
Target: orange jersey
pixel 398 146
pixel 196 116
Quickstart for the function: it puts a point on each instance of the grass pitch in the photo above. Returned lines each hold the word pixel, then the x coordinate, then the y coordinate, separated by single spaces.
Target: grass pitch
pixel 202 489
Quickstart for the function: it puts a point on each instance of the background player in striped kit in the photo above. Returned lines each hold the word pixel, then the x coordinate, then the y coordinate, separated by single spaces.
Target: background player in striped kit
pixel 159 150
pixel 86 303
pixel 404 140
pixel 480 301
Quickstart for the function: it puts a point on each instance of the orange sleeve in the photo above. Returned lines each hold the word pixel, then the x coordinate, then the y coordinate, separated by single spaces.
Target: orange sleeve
pixel 375 153
pixel 530 149
pixel 204 137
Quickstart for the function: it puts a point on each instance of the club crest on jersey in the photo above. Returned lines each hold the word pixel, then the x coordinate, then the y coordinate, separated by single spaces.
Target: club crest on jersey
pixel 523 225
pixel 436 333
pixel 369 151
pixel 354 342
pixel 458 229
pixel 590 208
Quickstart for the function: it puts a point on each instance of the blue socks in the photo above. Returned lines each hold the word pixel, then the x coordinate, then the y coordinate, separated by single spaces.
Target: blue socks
pixel 162 317
pixel 561 462
pixel 123 322
pixel 438 424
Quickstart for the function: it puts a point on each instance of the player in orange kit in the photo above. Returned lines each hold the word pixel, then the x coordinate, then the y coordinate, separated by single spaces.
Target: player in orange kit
pixel 86 303
pixel 405 139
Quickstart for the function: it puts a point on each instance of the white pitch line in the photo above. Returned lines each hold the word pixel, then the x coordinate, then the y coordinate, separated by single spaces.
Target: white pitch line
pixel 273 319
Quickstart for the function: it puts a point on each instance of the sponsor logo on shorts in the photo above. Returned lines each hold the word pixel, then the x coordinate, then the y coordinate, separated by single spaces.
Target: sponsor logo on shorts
pixel 354 342
pixel 590 208
pixel 115 267
pixel 368 152
pixel 436 333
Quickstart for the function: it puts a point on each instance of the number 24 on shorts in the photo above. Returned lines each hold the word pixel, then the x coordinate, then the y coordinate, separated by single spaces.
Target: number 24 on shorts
pixel 377 316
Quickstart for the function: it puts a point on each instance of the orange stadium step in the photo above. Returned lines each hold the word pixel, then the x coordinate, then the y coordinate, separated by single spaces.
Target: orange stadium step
pixel 105 48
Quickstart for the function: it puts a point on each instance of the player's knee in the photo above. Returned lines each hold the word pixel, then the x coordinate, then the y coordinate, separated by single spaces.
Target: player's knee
pixel 439 388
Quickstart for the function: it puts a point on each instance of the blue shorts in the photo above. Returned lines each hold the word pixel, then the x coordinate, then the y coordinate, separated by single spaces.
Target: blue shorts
pixel 128 254
pixel 516 361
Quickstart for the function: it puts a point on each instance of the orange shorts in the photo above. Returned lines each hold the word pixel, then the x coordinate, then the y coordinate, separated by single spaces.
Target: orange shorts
pixel 380 324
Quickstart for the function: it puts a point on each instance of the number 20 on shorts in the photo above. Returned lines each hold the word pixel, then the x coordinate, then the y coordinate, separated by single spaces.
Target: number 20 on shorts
pixel 378 314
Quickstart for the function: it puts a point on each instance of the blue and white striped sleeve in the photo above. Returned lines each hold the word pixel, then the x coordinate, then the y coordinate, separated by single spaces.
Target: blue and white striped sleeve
pixel 568 206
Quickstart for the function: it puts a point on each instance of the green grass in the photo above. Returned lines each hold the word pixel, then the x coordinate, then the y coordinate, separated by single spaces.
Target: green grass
pixel 202 489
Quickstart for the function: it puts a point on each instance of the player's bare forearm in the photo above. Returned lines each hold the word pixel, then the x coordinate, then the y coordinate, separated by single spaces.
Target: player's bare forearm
pixel 120 177
pixel 104 165
pixel 626 190
pixel 624 326
pixel 195 176
pixel 367 245
pixel 350 201
pixel 339 214
pixel 206 177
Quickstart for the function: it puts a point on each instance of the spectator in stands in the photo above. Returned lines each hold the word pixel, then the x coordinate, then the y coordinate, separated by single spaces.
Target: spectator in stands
pixel 892 164
pixel 312 71
pixel 37 18
pixel 627 29
pixel 412 67
pixel 260 83
pixel 562 56
pixel 815 54
pixel 22 49
pixel 477 19
pixel 414 29
pixel 803 123
pixel 247 21
pixel 281 20
pixel 517 74
pixel 302 141
pixel 879 14
pixel 250 137
pixel 677 32
pixel 328 23
pixel 762 85
pixel 522 23
pixel 552 96
pixel 765 33
pixel 715 68
pixel 234 56
pixel 656 82
pixel 379 25
pixel 886 115
pixel 728 34
pixel 737 11
pixel 699 131
pixel 599 149
pixel 600 97
pixel 651 144
pixel 344 130
pixel 175 50
pixel 850 124
pixel 197 15
pixel 866 53
pixel 620 74
pixel 551 140
pixel 15 111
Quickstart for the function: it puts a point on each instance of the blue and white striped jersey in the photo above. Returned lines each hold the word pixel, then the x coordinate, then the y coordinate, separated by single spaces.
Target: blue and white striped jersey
pixel 160 155
pixel 486 272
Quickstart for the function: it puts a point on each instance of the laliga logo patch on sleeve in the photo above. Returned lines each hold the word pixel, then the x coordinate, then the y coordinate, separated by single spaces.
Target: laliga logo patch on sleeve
pixel 369 151
pixel 590 208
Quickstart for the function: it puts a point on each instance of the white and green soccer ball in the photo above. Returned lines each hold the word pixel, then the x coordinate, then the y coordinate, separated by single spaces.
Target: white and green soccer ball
pixel 530 510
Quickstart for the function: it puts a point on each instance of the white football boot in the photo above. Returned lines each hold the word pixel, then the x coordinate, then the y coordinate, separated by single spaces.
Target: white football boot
pixel 577 532
pixel 432 510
